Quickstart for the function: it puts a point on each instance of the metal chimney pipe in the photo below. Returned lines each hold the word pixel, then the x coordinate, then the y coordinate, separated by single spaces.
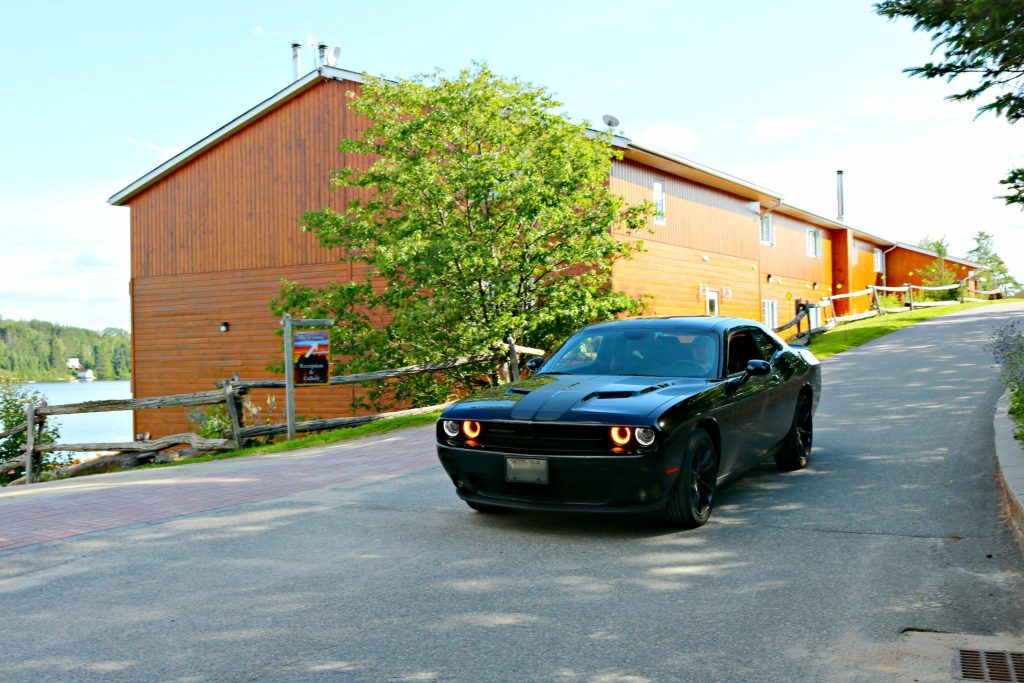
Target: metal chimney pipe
pixel 839 194
pixel 296 60
pixel 322 49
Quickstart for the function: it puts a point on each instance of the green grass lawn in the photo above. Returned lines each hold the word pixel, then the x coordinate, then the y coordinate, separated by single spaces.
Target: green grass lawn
pixel 853 334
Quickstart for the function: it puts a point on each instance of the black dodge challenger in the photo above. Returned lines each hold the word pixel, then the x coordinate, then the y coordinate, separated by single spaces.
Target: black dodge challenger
pixel 648 414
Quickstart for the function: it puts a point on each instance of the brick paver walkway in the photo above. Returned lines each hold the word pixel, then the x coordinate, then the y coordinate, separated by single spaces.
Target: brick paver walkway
pixel 56 510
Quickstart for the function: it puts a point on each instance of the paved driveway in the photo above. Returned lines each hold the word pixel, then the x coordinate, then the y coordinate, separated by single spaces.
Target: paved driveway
pixel 357 562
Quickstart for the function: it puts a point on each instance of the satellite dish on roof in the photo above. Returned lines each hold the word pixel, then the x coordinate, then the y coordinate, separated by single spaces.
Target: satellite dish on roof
pixel 610 120
pixel 332 56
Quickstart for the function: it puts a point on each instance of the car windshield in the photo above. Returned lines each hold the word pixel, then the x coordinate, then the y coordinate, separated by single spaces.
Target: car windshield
pixel 653 352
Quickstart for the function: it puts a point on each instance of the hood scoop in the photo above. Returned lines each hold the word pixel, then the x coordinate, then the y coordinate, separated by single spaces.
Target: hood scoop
pixel 518 390
pixel 609 394
pixel 655 387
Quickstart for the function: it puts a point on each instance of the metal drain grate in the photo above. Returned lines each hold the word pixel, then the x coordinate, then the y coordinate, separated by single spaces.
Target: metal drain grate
pixel 984 665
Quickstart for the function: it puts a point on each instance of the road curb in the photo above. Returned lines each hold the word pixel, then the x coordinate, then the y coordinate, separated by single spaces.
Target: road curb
pixel 1009 466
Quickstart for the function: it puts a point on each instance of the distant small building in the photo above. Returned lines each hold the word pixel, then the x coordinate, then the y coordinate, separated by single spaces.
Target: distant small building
pixel 86 375
pixel 74 364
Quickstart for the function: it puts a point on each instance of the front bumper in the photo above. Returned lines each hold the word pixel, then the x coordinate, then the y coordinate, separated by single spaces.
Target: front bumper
pixel 597 483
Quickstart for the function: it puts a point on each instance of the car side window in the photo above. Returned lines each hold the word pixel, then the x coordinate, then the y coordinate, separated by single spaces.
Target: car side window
pixel 769 347
pixel 743 348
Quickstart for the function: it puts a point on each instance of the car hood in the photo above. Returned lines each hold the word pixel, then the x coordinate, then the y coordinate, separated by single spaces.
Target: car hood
pixel 603 399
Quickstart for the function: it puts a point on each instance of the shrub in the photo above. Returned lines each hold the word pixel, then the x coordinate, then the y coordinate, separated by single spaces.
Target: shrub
pixel 14 397
pixel 1007 347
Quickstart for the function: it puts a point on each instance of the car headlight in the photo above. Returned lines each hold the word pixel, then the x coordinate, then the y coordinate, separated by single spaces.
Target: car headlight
pixel 471 429
pixel 621 435
pixel 645 436
pixel 451 428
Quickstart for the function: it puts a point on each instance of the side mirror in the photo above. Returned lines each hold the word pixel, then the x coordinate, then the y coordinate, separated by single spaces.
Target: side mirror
pixel 758 368
pixel 533 365
pixel 755 368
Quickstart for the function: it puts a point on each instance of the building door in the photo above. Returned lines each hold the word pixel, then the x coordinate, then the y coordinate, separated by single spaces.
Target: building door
pixel 711 304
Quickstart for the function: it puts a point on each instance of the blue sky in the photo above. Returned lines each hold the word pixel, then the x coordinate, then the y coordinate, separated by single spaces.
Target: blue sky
pixel 778 93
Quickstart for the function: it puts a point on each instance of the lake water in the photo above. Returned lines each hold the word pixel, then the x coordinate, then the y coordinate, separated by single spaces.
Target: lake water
pixel 89 427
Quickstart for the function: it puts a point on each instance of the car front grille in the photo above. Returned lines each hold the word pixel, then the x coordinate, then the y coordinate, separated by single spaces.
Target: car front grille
pixel 528 437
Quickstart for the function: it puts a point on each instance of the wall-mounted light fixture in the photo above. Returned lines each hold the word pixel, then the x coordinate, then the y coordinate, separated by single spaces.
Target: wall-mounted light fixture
pixel 814 286
pixel 771 278
pixel 702 288
pixel 224 327
pixel 727 293
pixel 705 258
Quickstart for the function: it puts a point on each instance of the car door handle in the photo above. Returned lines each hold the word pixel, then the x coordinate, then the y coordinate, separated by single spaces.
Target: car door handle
pixel 774 379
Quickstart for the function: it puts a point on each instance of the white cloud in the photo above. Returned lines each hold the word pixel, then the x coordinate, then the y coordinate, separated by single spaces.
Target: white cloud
pixel 66 260
pixel 724 128
pixel 162 153
pixel 768 130
pixel 258 31
pixel 670 137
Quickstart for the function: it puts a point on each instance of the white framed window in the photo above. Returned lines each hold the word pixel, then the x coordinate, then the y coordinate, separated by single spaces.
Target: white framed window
pixel 770 313
pixel 659 202
pixel 768 230
pixel 879 261
pixel 814 242
pixel 711 302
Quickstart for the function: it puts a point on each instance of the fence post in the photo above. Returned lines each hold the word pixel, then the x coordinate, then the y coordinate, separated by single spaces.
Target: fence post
pixel 234 413
pixel 910 294
pixel 878 304
pixel 513 358
pixel 30 446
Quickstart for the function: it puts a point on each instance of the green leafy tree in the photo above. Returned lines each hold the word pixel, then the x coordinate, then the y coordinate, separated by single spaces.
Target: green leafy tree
pixel 938 273
pixel 996 273
pixel 483 214
pixel 14 398
pixel 982 40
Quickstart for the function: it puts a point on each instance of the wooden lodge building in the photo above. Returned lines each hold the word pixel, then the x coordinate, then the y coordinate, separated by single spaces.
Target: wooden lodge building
pixel 215 229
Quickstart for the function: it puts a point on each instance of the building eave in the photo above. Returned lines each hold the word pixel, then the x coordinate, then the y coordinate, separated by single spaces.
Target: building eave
pixel 699 173
pixel 821 221
pixel 294 89
pixel 929 252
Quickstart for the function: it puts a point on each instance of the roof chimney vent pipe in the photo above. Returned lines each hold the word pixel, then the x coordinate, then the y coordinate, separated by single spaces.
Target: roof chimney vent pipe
pixel 839 194
pixel 322 49
pixel 296 60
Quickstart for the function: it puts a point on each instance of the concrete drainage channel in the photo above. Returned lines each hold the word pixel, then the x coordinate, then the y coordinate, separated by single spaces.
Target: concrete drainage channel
pixel 982 665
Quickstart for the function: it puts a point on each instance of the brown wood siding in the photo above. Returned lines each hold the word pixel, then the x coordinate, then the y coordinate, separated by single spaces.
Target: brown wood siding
pixel 179 347
pixel 904 266
pixel 237 206
pixel 696 216
pixel 785 291
pixel 670 276
pixel 789 259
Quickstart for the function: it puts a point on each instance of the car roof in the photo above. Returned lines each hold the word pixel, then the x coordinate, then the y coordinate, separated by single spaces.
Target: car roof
pixel 694 323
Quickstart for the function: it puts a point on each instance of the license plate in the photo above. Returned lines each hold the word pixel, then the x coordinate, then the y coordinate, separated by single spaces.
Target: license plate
pixel 526 470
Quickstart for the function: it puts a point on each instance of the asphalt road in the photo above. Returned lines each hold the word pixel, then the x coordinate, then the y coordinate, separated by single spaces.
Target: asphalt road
pixel 806 576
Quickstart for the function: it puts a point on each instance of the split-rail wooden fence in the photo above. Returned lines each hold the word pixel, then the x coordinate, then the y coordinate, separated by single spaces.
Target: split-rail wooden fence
pixel 231 392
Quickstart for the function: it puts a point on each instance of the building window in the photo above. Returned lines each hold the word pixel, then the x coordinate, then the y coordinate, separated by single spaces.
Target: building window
pixel 711 303
pixel 879 261
pixel 770 313
pixel 659 202
pixel 814 242
pixel 768 230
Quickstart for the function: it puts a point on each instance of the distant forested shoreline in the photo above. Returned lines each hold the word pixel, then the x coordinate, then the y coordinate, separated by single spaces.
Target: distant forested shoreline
pixel 38 350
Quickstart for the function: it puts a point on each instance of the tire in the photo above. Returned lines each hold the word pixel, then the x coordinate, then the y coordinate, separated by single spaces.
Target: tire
pixel 796 449
pixel 483 507
pixel 693 496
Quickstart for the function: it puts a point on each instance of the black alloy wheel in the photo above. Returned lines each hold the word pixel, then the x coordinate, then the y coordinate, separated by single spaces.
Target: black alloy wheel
pixel 694 494
pixel 796 452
